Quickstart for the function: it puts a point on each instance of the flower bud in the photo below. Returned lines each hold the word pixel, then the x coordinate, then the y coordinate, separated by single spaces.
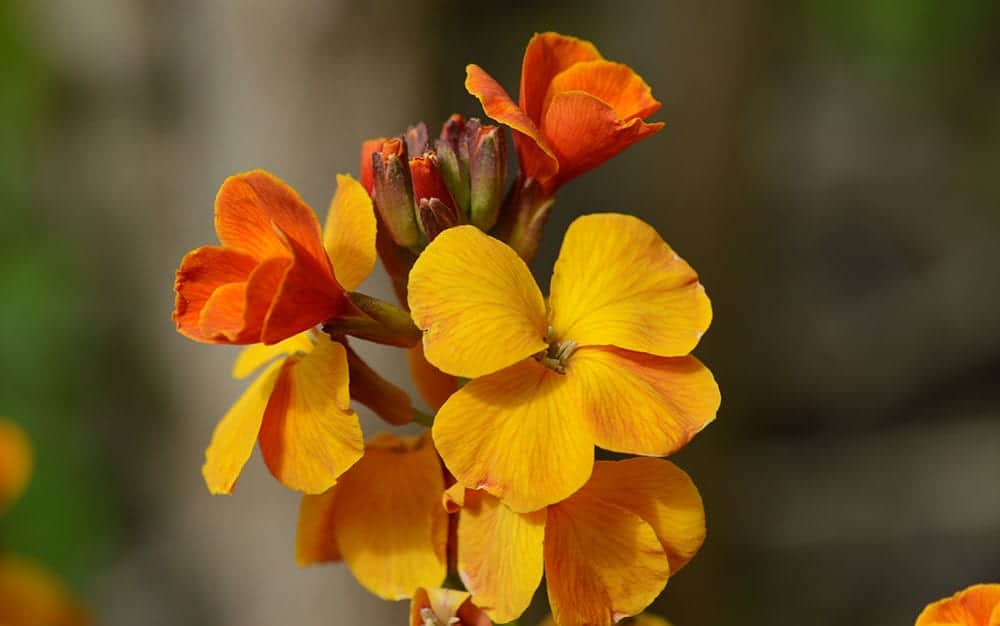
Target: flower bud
pixel 487 175
pixel 436 208
pixel 392 191
pixel 436 217
pixel 416 138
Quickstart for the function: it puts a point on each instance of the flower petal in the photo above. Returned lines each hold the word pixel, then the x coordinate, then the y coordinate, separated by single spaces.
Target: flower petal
pixel 614 83
pixel 536 157
pixel 477 303
pixel 661 494
pixel 978 605
pixel 434 385
pixel 390 525
pixel 499 555
pixel 642 404
pixel 201 273
pixel 236 433
pixel 368 148
pixel 16 462
pixel 310 435
pixel 253 357
pixel 546 56
pixel 314 538
pixel 32 596
pixel 349 233
pixel 602 562
pixel 599 298
pixel 445 604
pixel 235 312
pixel 519 434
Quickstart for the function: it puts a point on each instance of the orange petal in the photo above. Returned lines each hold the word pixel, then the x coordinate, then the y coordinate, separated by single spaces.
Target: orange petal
pixel 315 541
pixel 642 404
pixel 434 385
pixel 16 462
pixel 201 273
pixel 519 434
pixel 537 159
pixel 584 132
pixel 235 435
pixel 546 56
pixel 613 83
pixel 349 233
pixel 440 606
pixel 602 562
pixel 477 303
pixel 598 297
pixel 499 555
pixel 253 357
pixel 662 495
pixel 310 435
pixel 389 523
pixel 32 596
pixel 978 605
pixel 368 148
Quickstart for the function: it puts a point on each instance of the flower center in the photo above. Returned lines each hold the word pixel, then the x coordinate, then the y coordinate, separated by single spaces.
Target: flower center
pixel 557 354
pixel 430 619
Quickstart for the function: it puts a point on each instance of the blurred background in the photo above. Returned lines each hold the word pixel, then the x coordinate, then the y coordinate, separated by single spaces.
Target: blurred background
pixel 831 169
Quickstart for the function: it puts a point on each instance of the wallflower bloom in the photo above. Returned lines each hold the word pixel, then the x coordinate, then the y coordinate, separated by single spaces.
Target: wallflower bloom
pixel 16 462
pixel 445 607
pixel 299 406
pixel 383 518
pixel 575 111
pixel 607 551
pixel 606 362
pixel 978 605
pixel 269 279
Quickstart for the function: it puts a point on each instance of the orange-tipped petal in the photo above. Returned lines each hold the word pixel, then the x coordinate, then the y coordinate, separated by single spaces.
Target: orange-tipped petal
pixel 202 272
pixel 388 520
pixel 602 562
pixel 537 158
pixel 642 404
pixel 349 233
pixel 477 303
pixel 235 435
pixel 435 386
pixel 310 435
pixel 16 463
pixel 599 298
pixel 442 606
pixel 661 494
pixel 978 605
pixel 546 56
pixel 499 555
pixel 368 148
pixel 614 83
pixel 32 596
pixel 519 434
pixel 253 357
pixel 315 541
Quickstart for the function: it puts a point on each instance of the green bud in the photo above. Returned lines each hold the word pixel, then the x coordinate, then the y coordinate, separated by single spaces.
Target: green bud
pixel 392 192
pixel 487 177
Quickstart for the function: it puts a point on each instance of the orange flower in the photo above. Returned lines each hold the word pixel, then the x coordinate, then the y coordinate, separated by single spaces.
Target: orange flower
pixel 445 607
pixel 269 279
pixel 16 462
pixel 383 518
pixel 31 596
pixel 978 605
pixel 576 109
pixel 607 551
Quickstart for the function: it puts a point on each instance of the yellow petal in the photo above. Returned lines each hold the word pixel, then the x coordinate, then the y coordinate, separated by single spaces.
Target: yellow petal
pixel 618 283
pixel 519 434
pixel 642 404
pixel 16 462
pixel 499 555
pixel 477 303
pixel 31 596
pixel 661 494
pixel 389 523
pixel 310 435
pixel 349 233
pixel 602 562
pixel 256 355
pixel 443 606
pixel 314 538
pixel 235 435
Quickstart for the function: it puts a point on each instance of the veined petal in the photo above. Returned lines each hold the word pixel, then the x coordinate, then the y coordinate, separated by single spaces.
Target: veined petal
pixel 349 233
pixel 642 404
pixel 445 604
pixel 519 434
pixel 368 148
pixel 314 538
pixel 16 462
pixel 599 298
pixel 434 385
pixel 389 523
pixel 235 312
pixel 499 555
pixel 614 83
pixel 32 596
pixel 310 435
pixel 602 562
pixel 546 56
pixel 235 435
pixel 256 355
pixel 661 494
pixel 477 303
pixel 201 273
pixel 978 605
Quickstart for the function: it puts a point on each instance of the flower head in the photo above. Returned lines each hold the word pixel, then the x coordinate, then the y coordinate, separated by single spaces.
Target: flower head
pixel 605 361
pixel 575 111
pixel 978 605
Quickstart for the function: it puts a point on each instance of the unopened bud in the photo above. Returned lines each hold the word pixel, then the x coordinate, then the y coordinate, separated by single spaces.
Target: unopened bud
pixel 487 176
pixel 455 173
pixel 429 184
pixel 416 138
pixel 436 217
pixel 392 191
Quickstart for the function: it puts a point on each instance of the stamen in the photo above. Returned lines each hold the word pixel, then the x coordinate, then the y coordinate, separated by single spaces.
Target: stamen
pixel 430 619
pixel 557 355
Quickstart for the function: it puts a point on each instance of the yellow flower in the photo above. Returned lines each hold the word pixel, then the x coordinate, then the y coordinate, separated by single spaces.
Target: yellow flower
pixel 383 518
pixel 16 462
pixel 978 605
pixel 605 362
pixel 606 551
pixel 445 607
pixel 299 406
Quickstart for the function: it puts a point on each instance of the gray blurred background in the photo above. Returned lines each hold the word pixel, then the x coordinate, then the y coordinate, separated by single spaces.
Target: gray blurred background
pixel 830 169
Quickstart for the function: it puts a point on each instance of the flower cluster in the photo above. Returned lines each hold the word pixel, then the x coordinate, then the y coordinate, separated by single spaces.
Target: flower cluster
pixel 503 488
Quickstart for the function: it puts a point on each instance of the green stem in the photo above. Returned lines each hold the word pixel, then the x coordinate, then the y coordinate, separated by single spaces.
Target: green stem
pixel 378 321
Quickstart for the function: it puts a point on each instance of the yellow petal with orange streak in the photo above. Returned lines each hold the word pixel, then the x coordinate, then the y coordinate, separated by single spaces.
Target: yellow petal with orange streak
pixel 499 555
pixel 30 595
pixel 642 404
pixel 519 434
pixel 617 282
pixel 978 605
pixel 16 463
pixel 314 538
pixel 236 433
pixel 477 303
pixel 310 435
pixel 661 494
pixel 388 520
pixel 602 562
pixel 253 357
pixel 349 233
pixel 434 385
